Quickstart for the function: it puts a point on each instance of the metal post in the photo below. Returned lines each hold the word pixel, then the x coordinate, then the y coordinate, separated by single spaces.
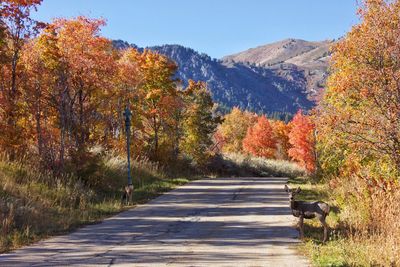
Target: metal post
pixel 128 115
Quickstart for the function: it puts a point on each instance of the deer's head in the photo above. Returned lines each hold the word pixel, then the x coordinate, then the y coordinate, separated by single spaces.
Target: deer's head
pixel 292 192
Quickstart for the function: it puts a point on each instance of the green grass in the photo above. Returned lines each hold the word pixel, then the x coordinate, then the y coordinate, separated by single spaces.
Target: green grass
pixel 330 253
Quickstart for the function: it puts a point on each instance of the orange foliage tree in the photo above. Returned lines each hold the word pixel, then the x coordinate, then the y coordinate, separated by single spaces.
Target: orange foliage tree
pixel 79 65
pixel 302 139
pixel 360 110
pixel 281 134
pixel 358 123
pixel 126 92
pixel 160 101
pixel 16 26
pixel 259 140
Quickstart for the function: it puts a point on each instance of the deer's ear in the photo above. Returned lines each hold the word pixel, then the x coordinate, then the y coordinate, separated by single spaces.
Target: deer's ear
pixel 286 188
pixel 298 190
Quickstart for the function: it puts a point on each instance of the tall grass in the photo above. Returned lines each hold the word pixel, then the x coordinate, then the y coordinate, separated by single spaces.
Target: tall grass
pixel 233 164
pixel 365 225
pixel 27 195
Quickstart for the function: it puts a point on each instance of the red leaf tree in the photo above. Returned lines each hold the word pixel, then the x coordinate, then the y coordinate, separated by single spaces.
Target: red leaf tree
pixel 259 140
pixel 302 139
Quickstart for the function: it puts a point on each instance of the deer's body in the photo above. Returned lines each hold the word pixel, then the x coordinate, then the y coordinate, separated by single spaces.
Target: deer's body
pixel 308 210
pixel 127 195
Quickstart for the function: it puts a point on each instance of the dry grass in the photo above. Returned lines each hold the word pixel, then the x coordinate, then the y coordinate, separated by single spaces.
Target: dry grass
pixel 28 195
pixel 364 221
pixel 233 164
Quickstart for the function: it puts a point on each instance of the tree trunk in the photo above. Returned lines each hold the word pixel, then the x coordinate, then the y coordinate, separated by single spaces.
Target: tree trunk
pixel 155 127
pixel 11 121
pixel 39 128
pixel 81 132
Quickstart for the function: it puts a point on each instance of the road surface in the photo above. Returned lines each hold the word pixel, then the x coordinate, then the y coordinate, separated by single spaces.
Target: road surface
pixel 210 222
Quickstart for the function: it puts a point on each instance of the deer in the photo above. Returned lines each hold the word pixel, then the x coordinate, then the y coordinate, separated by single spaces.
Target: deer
pixel 308 210
pixel 127 194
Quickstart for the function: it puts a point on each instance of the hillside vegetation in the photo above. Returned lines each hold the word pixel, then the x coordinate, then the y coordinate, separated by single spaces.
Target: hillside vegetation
pixel 358 144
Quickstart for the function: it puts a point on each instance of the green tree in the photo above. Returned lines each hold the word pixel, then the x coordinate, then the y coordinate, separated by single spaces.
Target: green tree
pixel 199 123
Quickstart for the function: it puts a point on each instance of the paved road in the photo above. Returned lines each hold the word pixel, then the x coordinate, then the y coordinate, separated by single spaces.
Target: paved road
pixel 211 222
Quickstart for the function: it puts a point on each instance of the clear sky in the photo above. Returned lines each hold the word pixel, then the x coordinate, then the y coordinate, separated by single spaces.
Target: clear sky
pixel 215 27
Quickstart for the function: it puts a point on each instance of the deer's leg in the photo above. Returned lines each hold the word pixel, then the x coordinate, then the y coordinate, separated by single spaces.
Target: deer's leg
pixel 130 194
pixel 123 198
pixel 325 225
pixel 301 226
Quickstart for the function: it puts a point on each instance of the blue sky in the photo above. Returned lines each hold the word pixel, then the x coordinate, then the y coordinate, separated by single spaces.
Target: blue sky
pixel 215 27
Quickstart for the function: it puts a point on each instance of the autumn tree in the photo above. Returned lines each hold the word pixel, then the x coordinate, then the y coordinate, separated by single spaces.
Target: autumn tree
pixel 160 98
pixel 259 140
pixel 358 125
pixel 72 86
pixel 34 92
pixel 90 70
pixel 2 43
pixel 281 134
pixel 199 123
pixel 15 26
pixel 234 128
pixel 126 92
pixel 302 140
pixel 80 65
pixel 360 110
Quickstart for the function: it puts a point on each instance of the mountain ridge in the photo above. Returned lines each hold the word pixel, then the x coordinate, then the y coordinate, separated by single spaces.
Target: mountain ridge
pixel 257 86
pixel 310 57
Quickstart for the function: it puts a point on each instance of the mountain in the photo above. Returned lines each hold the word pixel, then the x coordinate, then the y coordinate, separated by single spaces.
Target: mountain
pixel 265 81
pixel 291 56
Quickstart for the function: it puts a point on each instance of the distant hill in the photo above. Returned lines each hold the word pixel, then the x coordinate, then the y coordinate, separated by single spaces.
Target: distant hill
pixel 291 56
pixel 281 77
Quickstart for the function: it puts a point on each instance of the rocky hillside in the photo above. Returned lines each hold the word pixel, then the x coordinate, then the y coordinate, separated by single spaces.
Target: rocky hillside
pixel 291 56
pixel 281 77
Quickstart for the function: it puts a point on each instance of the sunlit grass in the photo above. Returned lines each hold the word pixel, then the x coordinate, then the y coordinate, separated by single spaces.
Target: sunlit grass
pixel 244 165
pixel 345 247
pixel 28 195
